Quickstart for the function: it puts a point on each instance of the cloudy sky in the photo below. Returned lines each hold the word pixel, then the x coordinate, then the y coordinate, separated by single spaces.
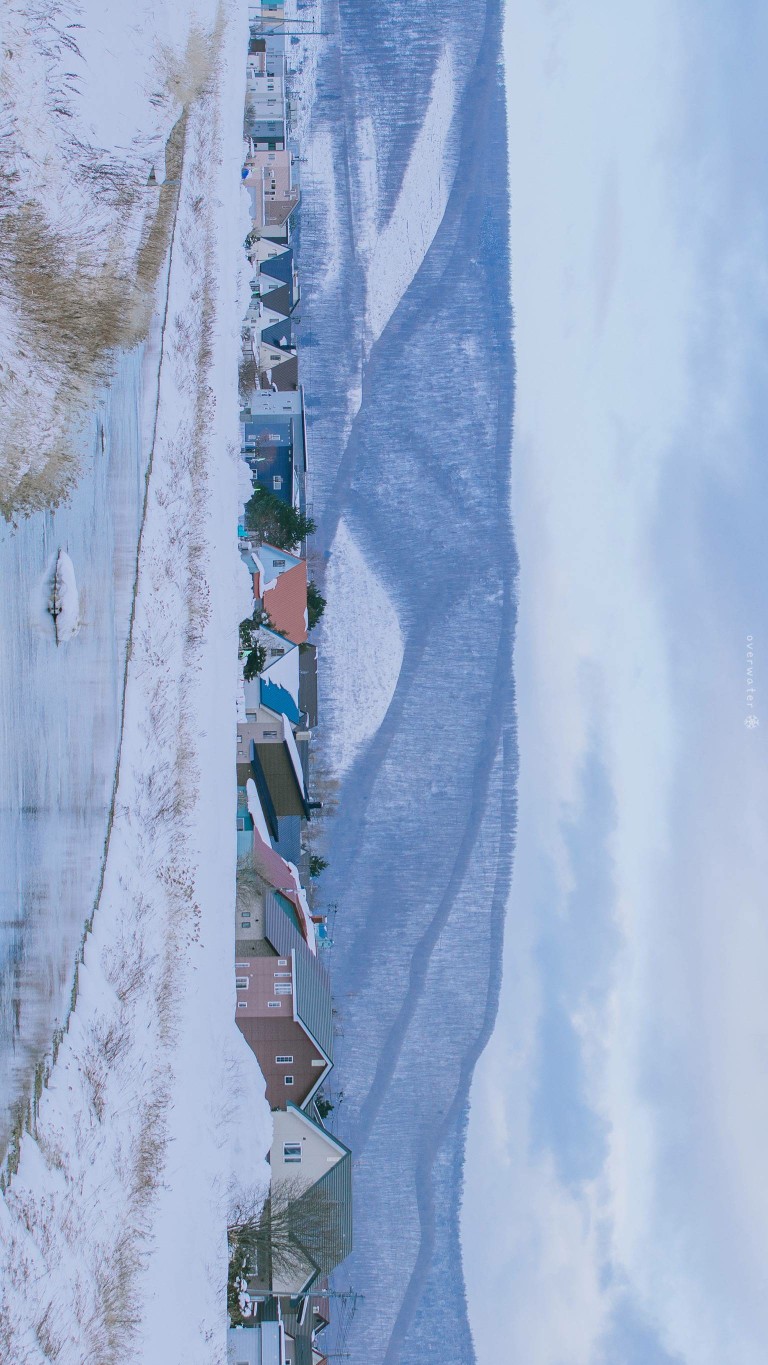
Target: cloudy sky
pixel 617 1183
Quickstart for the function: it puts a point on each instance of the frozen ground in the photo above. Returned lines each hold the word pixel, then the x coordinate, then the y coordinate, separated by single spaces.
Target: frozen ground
pixel 92 96
pixel 113 1230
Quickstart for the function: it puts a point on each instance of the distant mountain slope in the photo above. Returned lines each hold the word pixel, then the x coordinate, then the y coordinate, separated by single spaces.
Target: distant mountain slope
pixel 421 850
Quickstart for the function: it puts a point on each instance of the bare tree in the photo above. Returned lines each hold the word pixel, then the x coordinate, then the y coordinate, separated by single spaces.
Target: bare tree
pixel 277 1242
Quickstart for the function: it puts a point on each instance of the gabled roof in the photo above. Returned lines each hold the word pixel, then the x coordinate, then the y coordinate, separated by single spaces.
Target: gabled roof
pixel 312 1001
pixel 282 926
pixel 266 564
pixel 321 1218
pixel 275 561
pixel 278 333
pixel 286 603
pixel 312 998
pixel 265 249
pixel 279 700
pixel 279 300
pixel 276 872
pixel 284 668
pixel 278 211
pixel 279 781
pixel 279 267
pixel 285 376
pixel 288 920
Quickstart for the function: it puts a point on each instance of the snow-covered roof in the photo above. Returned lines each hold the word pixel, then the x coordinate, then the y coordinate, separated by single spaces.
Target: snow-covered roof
pixel 284 669
pixel 255 810
pixel 287 603
pixel 293 751
pixel 279 700
pixel 283 877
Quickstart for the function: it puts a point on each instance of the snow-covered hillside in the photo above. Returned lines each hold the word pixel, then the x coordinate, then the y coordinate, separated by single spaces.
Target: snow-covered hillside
pixel 113 1229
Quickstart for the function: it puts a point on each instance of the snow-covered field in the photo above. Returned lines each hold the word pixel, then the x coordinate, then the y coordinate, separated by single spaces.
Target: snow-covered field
pixel 319 177
pixel 93 97
pixel 362 651
pixel 113 1230
pixel 393 252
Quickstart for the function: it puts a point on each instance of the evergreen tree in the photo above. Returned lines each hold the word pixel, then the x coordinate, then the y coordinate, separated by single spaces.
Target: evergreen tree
pixel 276 522
pixel 315 604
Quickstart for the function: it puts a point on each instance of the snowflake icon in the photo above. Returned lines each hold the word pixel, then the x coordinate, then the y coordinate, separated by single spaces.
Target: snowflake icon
pixel 751 722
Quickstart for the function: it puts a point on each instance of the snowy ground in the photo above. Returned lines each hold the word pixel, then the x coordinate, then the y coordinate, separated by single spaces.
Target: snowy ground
pixel 113 1231
pixel 392 253
pixel 91 96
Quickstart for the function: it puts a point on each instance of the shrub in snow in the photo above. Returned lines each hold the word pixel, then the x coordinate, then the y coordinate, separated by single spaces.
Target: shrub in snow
pixel 64 599
pixel 255 662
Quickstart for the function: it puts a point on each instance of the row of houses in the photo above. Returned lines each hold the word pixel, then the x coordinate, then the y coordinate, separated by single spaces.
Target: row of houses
pixel 284 1005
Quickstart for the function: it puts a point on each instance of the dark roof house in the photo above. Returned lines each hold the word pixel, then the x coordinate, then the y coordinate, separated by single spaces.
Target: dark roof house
pixel 285 602
pixel 311 1172
pixel 279 300
pixel 276 765
pixel 284 1006
pixel 308 683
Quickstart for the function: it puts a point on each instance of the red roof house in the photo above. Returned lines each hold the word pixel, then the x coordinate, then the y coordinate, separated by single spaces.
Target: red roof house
pixel 285 602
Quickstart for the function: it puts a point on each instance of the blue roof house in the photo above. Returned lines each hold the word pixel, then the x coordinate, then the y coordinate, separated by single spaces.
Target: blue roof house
pixel 279 700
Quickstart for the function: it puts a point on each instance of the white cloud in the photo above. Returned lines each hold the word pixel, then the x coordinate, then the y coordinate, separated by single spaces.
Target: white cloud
pixel 630 635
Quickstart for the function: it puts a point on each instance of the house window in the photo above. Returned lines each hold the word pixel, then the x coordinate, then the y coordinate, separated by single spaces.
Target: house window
pixel 242 1004
pixel 241 822
pixel 283 974
pixel 282 962
pixel 270 734
pixel 274 1004
pixel 241 983
pixel 239 739
pixel 242 966
pixel 283 988
pixel 283 1061
pixel 291 1151
pixel 277 482
pixel 277 653
pixel 276 564
pixel 288 1080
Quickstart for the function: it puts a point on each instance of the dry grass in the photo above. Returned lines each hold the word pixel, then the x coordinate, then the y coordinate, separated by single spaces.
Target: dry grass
pixel 50 1344
pixel 79 294
pixel 248 377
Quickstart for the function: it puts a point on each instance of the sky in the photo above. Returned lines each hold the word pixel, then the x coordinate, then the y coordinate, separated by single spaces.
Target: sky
pixel 616 1197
